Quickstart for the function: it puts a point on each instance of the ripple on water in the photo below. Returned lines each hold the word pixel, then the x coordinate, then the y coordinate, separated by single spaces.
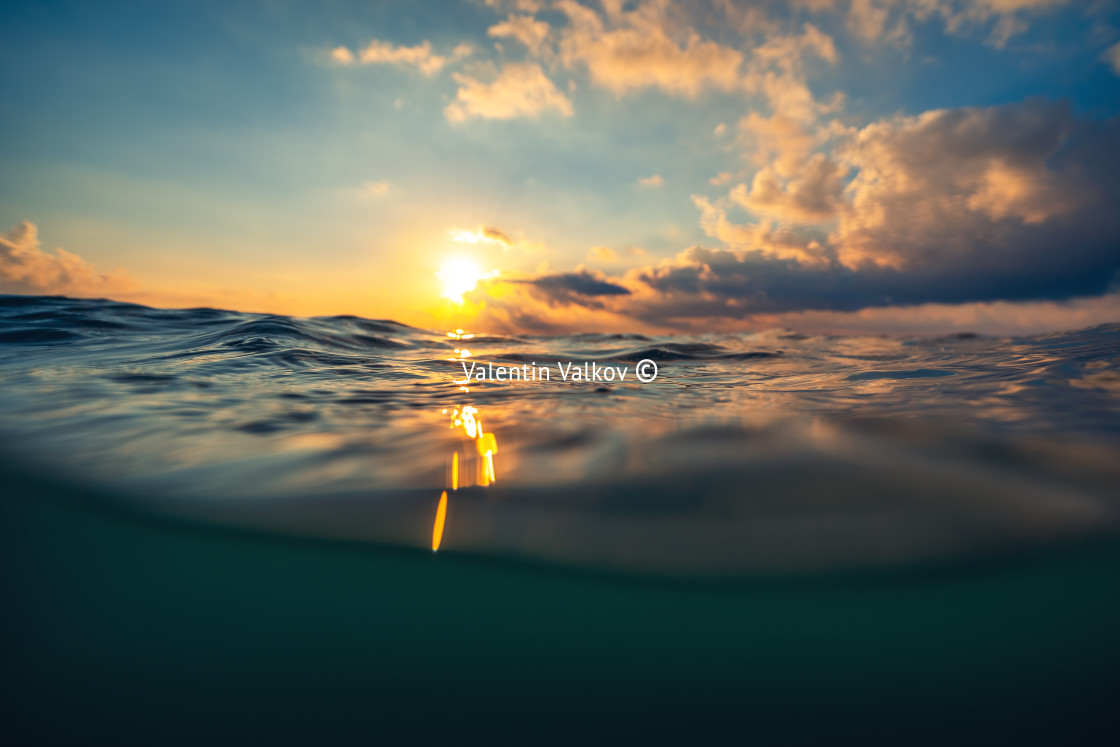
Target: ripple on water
pixel 750 453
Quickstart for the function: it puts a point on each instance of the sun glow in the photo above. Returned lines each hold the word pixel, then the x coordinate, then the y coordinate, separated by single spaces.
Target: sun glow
pixel 460 276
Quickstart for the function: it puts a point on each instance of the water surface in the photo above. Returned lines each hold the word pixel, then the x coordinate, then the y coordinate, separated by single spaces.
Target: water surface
pixel 754 453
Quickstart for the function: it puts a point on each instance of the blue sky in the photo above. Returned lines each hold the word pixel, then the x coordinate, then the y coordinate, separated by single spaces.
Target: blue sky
pixel 219 154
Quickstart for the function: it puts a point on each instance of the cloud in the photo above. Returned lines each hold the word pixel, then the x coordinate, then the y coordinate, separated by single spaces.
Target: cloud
pixel 342 55
pixel 787 51
pixel 1010 204
pixel 777 71
pixel 890 20
pixel 493 236
pixel 582 282
pixel 782 240
pixel 1112 57
pixel 26 268
pixel 525 29
pixel 997 318
pixel 496 234
pixel 792 183
pixel 651 181
pixel 419 56
pixel 627 50
pixel 813 196
pixel 522 6
pixel 601 254
pixel 519 90
pixel 607 255
pixel 868 19
pixel 957 182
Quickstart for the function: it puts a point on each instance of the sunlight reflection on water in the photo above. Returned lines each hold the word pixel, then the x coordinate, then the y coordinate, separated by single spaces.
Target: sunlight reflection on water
pixel 485 446
pixel 751 452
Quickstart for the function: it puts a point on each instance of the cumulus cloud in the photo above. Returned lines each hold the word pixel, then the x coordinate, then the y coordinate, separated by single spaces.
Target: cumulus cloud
pixel 1006 204
pixel 775 239
pixel 812 196
pixel 950 182
pixel 651 181
pixel 26 268
pixel 646 47
pixel 519 90
pixel 792 183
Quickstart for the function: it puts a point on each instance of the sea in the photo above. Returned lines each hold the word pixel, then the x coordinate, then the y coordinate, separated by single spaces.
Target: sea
pixel 794 521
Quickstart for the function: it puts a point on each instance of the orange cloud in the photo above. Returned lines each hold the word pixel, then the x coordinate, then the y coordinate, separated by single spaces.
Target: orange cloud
pixel 419 56
pixel 342 55
pixel 26 268
pixel 990 218
pixel 626 50
pixel 944 182
pixel 525 29
pixel 813 196
pixel 519 90
pixel 601 254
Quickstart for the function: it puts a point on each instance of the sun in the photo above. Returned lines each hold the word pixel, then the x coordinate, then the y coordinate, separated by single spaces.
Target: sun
pixel 459 276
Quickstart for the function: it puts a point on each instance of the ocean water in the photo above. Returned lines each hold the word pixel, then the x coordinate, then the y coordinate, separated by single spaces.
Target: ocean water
pixel 217 528
pixel 769 454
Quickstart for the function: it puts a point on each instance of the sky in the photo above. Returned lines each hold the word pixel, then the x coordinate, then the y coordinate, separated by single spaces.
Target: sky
pixel 897 166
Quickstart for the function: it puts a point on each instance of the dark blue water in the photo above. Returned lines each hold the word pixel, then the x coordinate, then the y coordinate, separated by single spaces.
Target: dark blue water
pixel 761 453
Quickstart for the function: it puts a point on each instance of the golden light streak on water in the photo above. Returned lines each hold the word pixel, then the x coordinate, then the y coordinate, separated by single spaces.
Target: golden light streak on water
pixel 485 444
pixel 469 424
pixel 441 517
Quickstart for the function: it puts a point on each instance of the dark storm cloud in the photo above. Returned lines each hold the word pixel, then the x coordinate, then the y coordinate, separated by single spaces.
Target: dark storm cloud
pixel 1013 203
pixel 578 283
pixel 712 282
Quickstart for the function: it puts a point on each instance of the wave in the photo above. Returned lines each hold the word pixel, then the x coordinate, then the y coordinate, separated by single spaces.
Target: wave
pixel 775 452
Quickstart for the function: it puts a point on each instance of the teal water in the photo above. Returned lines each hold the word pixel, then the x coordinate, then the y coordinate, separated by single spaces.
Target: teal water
pixel 129 630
